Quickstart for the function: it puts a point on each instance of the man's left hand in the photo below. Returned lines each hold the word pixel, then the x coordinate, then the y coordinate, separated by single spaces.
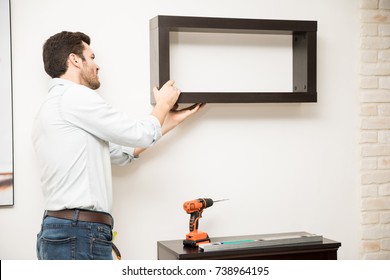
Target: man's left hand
pixel 175 117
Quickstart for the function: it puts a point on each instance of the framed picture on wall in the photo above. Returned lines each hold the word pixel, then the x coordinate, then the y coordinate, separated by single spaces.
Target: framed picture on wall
pixel 6 121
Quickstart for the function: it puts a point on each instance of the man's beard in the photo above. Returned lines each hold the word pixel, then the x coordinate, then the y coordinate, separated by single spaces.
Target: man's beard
pixel 90 80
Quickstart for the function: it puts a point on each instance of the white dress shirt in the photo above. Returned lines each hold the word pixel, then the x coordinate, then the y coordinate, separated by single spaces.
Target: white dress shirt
pixel 76 136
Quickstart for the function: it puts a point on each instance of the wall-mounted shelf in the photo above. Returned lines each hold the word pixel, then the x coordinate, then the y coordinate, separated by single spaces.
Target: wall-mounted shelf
pixel 304 36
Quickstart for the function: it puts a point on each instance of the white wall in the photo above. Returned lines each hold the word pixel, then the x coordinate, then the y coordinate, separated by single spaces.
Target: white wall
pixel 285 167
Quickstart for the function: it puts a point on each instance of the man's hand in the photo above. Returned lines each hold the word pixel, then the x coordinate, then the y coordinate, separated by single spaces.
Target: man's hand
pixel 175 117
pixel 165 98
pixel 168 94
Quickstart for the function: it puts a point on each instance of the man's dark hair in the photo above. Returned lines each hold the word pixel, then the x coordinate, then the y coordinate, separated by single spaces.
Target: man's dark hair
pixel 57 49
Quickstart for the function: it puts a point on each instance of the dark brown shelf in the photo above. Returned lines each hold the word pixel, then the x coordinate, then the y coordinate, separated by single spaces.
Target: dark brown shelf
pixel 304 36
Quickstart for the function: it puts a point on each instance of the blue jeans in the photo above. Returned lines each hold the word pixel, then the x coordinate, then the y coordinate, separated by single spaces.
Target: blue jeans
pixel 61 239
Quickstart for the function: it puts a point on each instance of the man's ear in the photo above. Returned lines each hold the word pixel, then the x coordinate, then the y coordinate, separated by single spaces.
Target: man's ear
pixel 75 60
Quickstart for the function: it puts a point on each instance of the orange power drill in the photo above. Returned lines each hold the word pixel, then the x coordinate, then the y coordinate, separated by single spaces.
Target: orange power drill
pixel 195 208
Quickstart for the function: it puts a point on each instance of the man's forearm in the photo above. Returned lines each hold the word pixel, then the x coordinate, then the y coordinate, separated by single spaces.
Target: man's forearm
pixel 173 119
pixel 138 151
pixel 160 111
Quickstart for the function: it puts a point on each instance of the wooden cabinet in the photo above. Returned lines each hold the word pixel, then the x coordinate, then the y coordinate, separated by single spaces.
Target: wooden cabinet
pixel 325 250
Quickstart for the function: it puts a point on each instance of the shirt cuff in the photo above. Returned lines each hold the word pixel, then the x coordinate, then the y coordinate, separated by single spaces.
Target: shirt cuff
pixel 121 155
pixel 157 128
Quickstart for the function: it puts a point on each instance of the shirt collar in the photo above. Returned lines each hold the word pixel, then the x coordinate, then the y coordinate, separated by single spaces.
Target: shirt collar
pixel 58 81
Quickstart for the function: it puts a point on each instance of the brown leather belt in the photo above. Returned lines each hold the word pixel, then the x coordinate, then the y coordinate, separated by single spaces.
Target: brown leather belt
pixel 84 215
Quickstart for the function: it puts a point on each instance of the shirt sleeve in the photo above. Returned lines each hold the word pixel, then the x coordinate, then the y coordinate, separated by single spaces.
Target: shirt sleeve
pixel 87 110
pixel 121 155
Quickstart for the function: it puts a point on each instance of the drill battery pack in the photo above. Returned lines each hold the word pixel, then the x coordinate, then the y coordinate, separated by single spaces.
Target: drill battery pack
pixel 193 243
pixel 193 240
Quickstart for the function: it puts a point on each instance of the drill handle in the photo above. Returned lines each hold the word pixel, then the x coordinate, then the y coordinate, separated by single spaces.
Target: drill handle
pixel 194 220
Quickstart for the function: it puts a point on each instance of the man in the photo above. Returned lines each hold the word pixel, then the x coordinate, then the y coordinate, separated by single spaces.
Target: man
pixel 76 136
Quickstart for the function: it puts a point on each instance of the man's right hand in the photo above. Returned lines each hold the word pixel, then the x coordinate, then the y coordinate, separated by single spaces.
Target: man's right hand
pixel 165 98
pixel 167 94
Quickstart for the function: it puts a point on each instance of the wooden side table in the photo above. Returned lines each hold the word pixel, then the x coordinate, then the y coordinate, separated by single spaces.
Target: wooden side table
pixel 325 250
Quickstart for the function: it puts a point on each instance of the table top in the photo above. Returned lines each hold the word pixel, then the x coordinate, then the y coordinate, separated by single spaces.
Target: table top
pixel 176 247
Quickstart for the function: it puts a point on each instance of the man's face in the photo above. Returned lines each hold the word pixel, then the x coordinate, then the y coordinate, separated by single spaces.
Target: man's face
pixel 89 72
